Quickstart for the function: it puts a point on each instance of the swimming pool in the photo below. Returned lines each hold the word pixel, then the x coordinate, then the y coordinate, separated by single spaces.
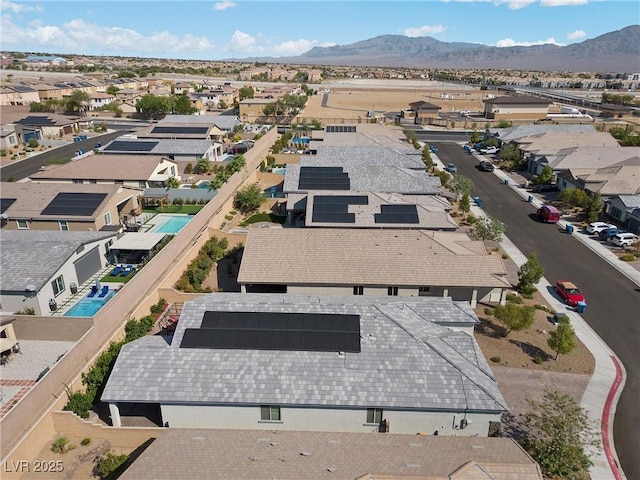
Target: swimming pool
pixel 170 223
pixel 88 307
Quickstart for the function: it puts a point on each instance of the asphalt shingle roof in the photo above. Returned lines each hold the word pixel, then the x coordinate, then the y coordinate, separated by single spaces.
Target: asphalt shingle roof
pixel 406 360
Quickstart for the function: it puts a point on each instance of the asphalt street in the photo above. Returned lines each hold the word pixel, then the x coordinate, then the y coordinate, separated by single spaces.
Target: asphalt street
pixel 613 301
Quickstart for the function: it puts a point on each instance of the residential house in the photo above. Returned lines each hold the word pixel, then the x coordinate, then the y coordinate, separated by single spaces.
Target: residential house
pixel 589 158
pixel 183 87
pixel 288 455
pixel 47 92
pixel 48 124
pixel 131 170
pixel 312 363
pixel 18 95
pixel 172 148
pixel 622 178
pixel 252 108
pixel 39 267
pixel 185 131
pixel 421 112
pixel 9 136
pixel 99 100
pixel 226 123
pixel 516 107
pixel 352 261
pixel 512 134
pixel 55 206
pixel 625 209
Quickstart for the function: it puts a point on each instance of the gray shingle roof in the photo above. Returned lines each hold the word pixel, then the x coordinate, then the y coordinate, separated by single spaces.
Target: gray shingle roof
pixel 167 146
pixel 223 122
pixel 520 131
pixel 31 257
pixel 406 360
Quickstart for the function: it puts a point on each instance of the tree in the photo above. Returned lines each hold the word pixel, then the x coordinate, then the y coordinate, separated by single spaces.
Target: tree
pixel 246 92
pixel 562 340
pixel 475 136
pixel 560 436
pixel 426 157
pixel 222 105
pixel 465 204
pixel 236 164
pixel 203 166
pixel 514 317
pixel 460 185
pixel 529 274
pixel 509 153
pixel 172 182
pixel 152 106
pixel 545 176
pixel 112 90
pixel 248 199
pixel 77 101
pixel 487 228
pixel 182 105
pixel 592 207
pixel 575 197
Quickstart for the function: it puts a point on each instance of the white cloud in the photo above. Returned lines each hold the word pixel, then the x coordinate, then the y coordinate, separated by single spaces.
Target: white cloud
pixel 424 30
pixel 293 48
pixel 562 3
pixel 514 4
pixel 38 36
pixel 223 5
pixel 577 34
pixel 19 7
pixel 508 42
pixel 243 43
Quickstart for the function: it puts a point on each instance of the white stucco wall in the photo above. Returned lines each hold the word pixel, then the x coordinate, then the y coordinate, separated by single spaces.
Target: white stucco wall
pixel 331 420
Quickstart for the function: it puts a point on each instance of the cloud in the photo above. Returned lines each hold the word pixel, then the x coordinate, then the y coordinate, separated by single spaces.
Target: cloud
pixel 508 42
pixel 224 5
pixel 243 43
pixel 19 7
pixel 511 4
pixel 70 35
pixel 577 34
pixel 562 3
pixel 424 30
pixel 293 48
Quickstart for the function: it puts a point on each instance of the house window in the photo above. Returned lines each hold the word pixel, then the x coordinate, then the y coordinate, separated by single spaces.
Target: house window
pixel 424 291
pixel 93 181
pixel 616 213
pixel 358 290
pixel 142 183
pixel 173 171
pixel 374 415
pixel 119 182
pixel 80 181
pixel 58 286
pixel 64 225
pixel 107 218
pixel 270 413
pixel 22 224
pixel 392 291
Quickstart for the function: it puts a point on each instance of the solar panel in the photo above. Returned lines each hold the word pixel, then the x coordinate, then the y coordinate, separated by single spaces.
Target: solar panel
pixel 74 204
pixel 129 146
pixel 347 199
pixel 181 130
pixel 36 120
pixel 294 331
pixel 340 129
pixel 323 178
pixel 6 203
pixel 397 213
pixel 333 217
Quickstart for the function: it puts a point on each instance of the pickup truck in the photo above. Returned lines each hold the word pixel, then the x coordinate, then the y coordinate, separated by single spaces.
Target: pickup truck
pixel 489 150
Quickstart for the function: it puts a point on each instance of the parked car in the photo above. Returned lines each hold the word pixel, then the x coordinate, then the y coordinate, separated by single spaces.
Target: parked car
pixel 597 227
pixel 544 187
pixel 487 167
pixel 451 168
pixel 433 149
pixel 549 214
pixel 569 293
pixel 489 150
pixel 464 113
pixel 608 233
pixel 625 239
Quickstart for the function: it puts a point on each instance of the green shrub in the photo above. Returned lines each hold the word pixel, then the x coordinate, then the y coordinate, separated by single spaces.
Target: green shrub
pixel 26 311
pixel 79 403
pixel 538 360
pixel 495 359
pixel 108 463
pixel 85 441
pixel 544 308
pixel 488 311
pixel 228 217
pixel 513 298
pixel 627 257
pixel 60 445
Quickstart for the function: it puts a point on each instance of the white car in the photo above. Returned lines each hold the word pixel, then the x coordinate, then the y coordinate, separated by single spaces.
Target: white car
pixel 464 113
pixel 489 150
pixel 625 239
pixel 597 227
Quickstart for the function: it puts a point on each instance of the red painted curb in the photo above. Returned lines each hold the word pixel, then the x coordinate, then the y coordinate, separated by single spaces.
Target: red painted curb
pixel 604 426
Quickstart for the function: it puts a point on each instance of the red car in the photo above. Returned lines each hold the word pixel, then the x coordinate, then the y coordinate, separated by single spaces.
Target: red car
pixel 569 293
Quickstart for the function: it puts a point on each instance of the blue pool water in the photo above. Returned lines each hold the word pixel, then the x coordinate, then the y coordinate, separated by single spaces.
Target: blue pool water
pixel 172 224
pixel 88 307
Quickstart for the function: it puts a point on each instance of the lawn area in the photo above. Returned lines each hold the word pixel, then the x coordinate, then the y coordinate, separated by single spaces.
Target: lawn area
pixel 188 209
pixel 264 217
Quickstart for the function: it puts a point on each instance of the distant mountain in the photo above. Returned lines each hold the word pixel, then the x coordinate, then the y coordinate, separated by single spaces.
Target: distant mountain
pixel 617 51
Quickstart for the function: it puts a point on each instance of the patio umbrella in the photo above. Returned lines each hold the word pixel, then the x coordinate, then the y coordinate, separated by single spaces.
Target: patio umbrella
pixel 98 286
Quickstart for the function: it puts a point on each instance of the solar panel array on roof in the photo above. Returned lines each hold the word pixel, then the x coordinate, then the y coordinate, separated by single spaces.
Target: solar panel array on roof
pixel 6 203
pixel 74 204
pixel 181 130
pixel 340 129
pixel 22 88
pixel 397 213
pixel 323 178
pixel 128 146
pixel 292 331
pixel 335 208
pixel 35 120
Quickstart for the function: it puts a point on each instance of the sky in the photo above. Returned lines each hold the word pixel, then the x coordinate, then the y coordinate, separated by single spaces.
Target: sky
pixel 235 29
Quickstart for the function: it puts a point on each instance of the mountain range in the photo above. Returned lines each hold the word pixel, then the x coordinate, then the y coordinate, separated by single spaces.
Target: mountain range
pixel 617 51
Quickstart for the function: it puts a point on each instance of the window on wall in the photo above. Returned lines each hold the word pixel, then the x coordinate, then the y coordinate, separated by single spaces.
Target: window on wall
pixel 93 181
pixel 424 291
pixel 358 290
pixel 392 291
pixel 58 286
pixel 374 415
pixel 270 413
pixel 64 225
pixel 22 224
pixel 107 218
pixel 142 183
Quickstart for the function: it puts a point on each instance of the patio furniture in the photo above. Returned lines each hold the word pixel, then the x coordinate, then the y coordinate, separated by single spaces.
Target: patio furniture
pixel 104 291
pixel 126 271
pixel 93 292
pixel 116 271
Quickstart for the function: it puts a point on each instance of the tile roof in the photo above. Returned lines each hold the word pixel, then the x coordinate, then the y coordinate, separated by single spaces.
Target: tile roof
pixel 31 257
pixel 166 146
pixel 199 454
pixel 406 360
pixel 105 167
pixel 630 201
pixel 325 256
pixel 32 198
pixel 592 157
pixel 549 142
pixel 223 122
pixel 520 131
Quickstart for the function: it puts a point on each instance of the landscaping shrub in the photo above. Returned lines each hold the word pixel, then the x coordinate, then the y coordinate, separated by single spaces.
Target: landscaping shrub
pixel 26 311
pixel 108 463
pixel 198 270
pixel 85 441
pixel 513 298
pixel 60 445
pixel 538 360
pixel 627 257
pixel 495 359
pixel 79 403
